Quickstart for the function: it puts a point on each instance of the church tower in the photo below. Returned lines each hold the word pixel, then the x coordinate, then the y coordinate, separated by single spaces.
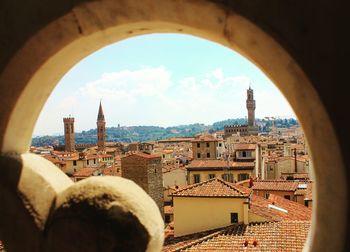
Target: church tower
pixel 69 136
pixel 101 129
pixel 251 107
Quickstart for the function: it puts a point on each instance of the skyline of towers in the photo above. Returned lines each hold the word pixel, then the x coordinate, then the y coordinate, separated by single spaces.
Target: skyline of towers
pixel 69 134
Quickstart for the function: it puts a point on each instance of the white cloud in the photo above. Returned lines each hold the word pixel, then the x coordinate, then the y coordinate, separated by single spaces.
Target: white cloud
pixel 67 103
pixel 215 79
pixel 127 85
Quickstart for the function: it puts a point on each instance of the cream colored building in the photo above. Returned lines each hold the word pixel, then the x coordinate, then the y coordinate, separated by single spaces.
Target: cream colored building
pixel 202 170
pixel 209 205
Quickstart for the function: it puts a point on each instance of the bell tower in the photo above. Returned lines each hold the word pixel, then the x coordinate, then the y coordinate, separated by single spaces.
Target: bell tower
pixel 101 129
pixel 251 107
pixel 69 135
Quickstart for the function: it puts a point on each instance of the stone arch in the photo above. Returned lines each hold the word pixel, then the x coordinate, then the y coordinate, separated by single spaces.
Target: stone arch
pixel 30 72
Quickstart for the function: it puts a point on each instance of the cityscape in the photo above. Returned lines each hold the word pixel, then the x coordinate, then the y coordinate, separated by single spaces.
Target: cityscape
pixel 150 126
pixel 243 187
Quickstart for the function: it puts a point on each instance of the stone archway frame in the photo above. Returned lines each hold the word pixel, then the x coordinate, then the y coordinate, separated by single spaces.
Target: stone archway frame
pixel 36 68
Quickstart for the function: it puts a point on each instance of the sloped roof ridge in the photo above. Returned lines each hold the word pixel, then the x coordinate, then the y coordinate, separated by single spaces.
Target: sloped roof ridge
pixel 231 186
pixel 194 185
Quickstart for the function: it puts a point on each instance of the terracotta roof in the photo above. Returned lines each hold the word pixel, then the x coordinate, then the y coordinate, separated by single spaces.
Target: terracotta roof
pixel 90 156
pixel 205 139
pixel 276 208
pixel 176 139
pixel 172 167
pixel 144 155
pixel 268 236
pixel 111 171
pixel 244 146
pixel 54 160
pixel 171 243
pixel 218 164
pixel 104 155
pixel 84 172
pixel 275 185
pixel 213 188
pixel 308 194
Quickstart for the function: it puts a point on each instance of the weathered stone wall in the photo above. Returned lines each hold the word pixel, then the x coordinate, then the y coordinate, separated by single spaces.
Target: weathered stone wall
pixel 147 173
pixel 155 182
pixel 135 168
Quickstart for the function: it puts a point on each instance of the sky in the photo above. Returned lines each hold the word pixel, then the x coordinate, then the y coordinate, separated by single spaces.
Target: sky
pixel 161 80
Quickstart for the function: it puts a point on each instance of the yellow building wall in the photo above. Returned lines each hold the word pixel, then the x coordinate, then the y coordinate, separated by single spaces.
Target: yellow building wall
pixel 70 167
pixel 174 177
pixel 204 175
pixel 193 215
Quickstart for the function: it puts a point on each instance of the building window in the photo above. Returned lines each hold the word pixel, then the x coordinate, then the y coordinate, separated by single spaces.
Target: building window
pixel 287 197
pixel 211 176
pixel 243 176
pixel 198 155
pixel 207 144
pixel 227 177
pixel 267 195
pixel 220 144
pixel 74 162
pixel 306 203
pixel 234 218
pixel 197 178
pixel 87 162
pixel 94 160
pixel 198 145
pixel 208 155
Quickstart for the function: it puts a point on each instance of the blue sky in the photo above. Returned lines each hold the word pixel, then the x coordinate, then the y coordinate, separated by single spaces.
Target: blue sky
pixel 160 79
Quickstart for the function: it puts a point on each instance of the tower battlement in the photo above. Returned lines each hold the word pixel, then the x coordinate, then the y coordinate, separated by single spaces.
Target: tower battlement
pixel 68 119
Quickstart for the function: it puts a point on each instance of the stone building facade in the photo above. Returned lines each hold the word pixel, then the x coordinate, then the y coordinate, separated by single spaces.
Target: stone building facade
pixel 69 135
pixel 204 148
pixel 146 171
pixel 248 129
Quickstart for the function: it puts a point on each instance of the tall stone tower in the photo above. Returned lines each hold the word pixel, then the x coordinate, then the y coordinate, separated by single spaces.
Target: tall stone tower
pixel 251 107
pixel 69 135
pixel 101 129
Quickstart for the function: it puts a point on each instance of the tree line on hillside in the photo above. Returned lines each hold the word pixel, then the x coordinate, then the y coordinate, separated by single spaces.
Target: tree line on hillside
pixel 147 133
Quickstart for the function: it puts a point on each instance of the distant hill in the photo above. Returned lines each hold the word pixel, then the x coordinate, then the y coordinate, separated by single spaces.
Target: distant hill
pixel 147 133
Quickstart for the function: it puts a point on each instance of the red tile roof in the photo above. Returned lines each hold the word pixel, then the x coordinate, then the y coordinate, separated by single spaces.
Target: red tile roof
pixel 244 146
pixel 205 139
pixel 144 155
pixel 219 164
pixel 275 185
pixel 213 188
pixel 308 194
pixel 268 236
pixel 283 209
pixel 54 160
pixel 111 171
pixel 84 172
